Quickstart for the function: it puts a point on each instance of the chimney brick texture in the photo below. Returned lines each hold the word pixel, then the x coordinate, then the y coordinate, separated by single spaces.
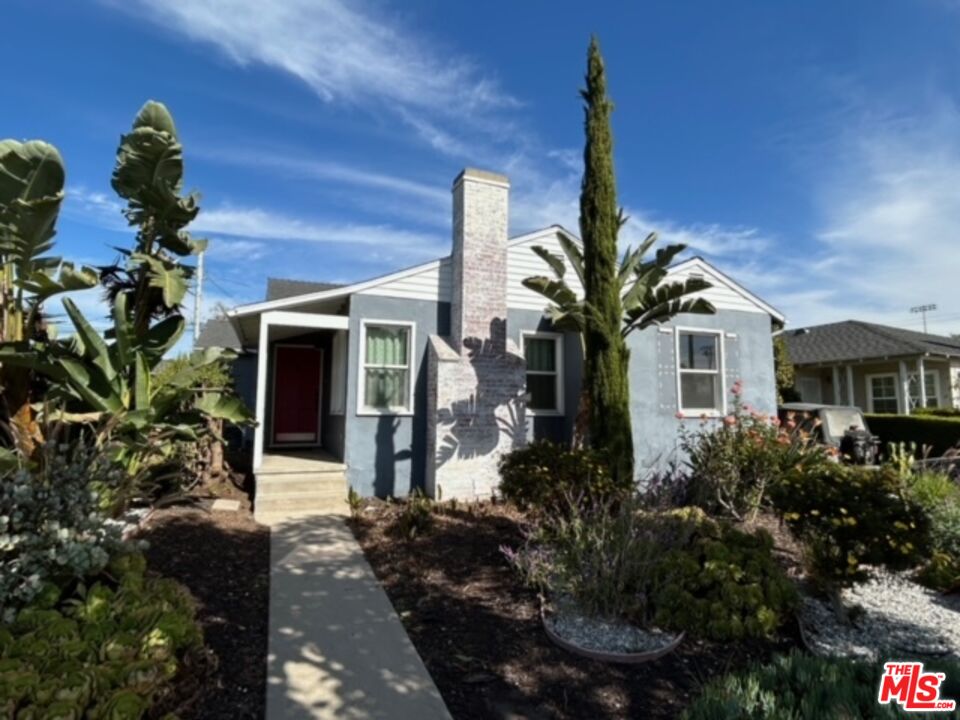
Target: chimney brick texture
pixel 478 310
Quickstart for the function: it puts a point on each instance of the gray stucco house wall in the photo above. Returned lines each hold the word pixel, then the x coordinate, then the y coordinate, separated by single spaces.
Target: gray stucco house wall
pixel 385 454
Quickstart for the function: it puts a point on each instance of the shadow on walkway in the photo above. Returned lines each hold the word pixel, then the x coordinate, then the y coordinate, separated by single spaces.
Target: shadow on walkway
pixel 337 649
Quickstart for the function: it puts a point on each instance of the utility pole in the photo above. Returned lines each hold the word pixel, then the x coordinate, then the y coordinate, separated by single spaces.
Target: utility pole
pixel 923 310
pixel 198 299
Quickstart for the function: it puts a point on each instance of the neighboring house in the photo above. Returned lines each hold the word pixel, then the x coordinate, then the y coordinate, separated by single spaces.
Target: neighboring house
pixel 875 367
pixel 426 376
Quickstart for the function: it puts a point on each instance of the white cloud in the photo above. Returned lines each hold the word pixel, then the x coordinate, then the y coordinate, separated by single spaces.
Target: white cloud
pixel 343 54
pixel 378 241
pixel 890 230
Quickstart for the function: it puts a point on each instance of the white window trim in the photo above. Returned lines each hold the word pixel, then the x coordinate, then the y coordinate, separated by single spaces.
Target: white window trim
pixel 721 371
pixel 362 408
pixel 558 354
pixel 896 389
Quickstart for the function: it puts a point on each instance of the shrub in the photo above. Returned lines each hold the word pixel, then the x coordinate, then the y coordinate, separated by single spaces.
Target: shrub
pixel 542 475
pixel 938 433
pixel 939 495
pixel 722 583
pixel 850 516
pixel 109 651
pixel 678 569
pixel 52 530
pixel 732 465
pixel 416 517
pixel 803 687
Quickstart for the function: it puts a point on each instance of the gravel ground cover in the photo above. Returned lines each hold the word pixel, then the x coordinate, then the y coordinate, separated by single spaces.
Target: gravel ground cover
pixel 891 616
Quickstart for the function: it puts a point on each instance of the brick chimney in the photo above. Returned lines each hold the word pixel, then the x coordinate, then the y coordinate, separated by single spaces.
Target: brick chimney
pixel 478 312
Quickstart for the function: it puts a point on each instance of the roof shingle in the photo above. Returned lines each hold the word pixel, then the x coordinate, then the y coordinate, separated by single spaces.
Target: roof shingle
pixel 278 288
pixel 856 340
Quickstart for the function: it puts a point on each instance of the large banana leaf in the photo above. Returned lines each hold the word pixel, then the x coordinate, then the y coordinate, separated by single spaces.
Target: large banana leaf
pixel 223 407
pixel 168 276
pixel 91 344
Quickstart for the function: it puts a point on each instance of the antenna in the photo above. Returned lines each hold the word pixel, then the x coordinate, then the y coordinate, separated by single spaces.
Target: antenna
pixel 198 299
pixel 923 310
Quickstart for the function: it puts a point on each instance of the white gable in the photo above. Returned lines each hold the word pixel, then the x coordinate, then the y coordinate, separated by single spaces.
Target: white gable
pixel 522 263
pixel 433 281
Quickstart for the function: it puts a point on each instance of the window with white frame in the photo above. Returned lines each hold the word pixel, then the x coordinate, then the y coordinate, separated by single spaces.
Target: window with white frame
pixel 699 371
pixel 883 393
pixel 385 382
pixel 931 383
pixel 544 356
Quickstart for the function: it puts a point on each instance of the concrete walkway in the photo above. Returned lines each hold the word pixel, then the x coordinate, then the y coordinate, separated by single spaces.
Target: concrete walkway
pixel 337 649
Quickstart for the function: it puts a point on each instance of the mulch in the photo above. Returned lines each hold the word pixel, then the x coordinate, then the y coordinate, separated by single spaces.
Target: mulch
pixel 224 560
pixel 478 631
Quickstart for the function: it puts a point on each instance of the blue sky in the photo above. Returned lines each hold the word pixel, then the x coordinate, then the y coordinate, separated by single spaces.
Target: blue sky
pixel 811 150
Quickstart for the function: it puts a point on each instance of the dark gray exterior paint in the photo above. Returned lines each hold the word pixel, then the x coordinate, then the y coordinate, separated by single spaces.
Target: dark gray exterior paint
pixel 386 454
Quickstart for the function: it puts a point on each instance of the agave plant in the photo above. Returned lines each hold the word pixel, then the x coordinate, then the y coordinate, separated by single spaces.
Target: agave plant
pixel 31 191
pixel 647 299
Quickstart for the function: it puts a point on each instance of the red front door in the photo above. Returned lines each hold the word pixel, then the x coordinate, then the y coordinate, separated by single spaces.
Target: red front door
pixel 296 395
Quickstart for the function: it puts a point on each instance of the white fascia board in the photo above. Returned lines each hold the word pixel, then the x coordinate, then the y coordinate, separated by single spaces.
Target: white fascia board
pixel 306 320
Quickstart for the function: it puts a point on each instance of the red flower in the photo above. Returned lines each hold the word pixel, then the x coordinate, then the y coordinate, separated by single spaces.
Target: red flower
pixel 729 420
pixel 679 415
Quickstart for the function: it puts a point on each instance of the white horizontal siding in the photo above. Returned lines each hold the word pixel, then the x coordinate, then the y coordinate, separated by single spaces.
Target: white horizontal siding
pixel 433 283
pixel 721 295
pixel 522 263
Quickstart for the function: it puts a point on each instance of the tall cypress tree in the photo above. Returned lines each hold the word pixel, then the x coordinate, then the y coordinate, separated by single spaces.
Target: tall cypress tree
pixel 607 357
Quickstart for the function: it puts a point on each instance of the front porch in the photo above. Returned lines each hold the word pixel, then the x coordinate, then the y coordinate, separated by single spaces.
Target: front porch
pixel 298 445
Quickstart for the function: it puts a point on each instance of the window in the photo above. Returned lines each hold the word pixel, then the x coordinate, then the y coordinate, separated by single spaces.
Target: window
pixel 931 382
pixel 883 393
pixel 385 385
pixel 543 352
pixel 699 364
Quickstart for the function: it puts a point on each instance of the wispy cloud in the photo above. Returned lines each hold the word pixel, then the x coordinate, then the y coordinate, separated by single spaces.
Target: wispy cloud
pixel 346 55
pixel 890 224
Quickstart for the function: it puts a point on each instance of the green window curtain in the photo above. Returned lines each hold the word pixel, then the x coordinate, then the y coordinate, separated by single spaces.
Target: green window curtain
pixel 541 354
pixel 386 345
pixel 386 387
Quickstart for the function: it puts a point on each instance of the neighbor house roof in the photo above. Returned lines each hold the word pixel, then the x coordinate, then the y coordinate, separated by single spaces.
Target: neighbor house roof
pixel 218 333
pixel 856 340
pixel 278 288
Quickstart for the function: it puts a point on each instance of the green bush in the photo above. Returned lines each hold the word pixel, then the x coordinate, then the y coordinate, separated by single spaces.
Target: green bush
pixel 938 433
pixel 108 651
pixel 850 516
pixel 542 475
pixel 721 584
pixel 803 687
pixel 52 529
pixel 939 496
pixel 677 569
pixel 733 464
pixel 937 412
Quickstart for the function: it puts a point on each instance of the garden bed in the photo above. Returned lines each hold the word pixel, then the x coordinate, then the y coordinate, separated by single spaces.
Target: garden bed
pixel 479 631
pixel 224 560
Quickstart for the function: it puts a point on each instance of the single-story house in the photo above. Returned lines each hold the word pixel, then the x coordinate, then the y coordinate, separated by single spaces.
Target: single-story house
pixel 875 367
pixel 424 377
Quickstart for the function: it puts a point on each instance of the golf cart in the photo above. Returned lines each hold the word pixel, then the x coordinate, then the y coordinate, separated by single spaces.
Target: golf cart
pixel 839 426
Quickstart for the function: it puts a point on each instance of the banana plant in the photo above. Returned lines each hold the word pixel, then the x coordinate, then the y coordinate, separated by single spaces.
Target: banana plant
pixel 149 176
pixel 647 299
pixel 31 191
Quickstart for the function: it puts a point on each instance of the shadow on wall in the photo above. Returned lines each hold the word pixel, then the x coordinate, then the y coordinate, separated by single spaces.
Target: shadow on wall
pixel 473 425
pixel 337 648
pixel 387 456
